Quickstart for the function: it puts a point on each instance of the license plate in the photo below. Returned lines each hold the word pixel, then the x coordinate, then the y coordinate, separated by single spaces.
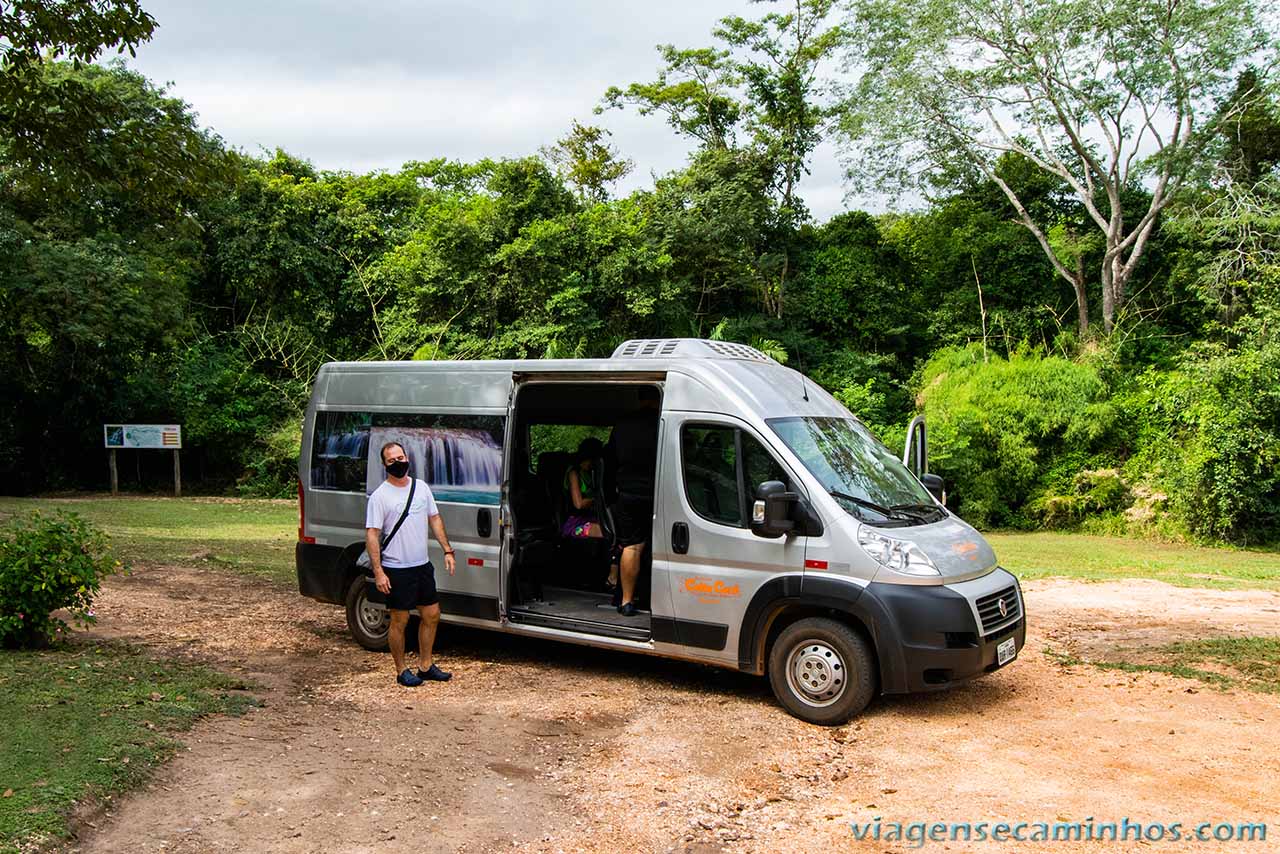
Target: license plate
pixel 1006 650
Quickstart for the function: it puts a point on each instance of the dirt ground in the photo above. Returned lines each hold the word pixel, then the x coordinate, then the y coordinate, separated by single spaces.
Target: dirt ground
pixel 548 747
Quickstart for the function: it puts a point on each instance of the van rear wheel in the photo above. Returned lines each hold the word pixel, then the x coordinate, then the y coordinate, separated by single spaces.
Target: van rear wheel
pixel 822 671
pixel 367 621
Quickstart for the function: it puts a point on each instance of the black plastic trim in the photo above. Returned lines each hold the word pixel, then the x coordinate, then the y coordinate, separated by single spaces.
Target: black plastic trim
pixel 913 627
pixel 774 595
pixel 469 605
pixel 693 633
pixel 321 575
pixel 908 624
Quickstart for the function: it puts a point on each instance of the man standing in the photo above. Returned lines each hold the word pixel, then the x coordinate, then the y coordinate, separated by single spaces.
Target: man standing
pixel 635 443
pixel 404 573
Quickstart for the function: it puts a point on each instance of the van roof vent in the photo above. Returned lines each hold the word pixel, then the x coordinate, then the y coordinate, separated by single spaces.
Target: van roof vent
pixel 696 348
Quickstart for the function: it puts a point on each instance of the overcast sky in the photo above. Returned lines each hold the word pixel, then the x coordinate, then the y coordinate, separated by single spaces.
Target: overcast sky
pixel 362 86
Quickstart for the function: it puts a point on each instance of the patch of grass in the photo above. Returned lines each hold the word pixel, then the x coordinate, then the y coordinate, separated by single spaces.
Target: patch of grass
pixel 1249 662
pixel 1182 671
pixel 90 720
pixel 1042 555
pixel 1256 659
pixel 252 536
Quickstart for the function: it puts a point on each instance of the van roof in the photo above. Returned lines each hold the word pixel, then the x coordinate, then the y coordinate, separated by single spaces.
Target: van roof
pixel 722 376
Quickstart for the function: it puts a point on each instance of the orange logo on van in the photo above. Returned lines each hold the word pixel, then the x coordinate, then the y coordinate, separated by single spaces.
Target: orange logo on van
pixel 704 587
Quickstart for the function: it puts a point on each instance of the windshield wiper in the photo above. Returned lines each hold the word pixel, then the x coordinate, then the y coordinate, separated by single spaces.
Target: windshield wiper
pixel 887 512
pixel 928 509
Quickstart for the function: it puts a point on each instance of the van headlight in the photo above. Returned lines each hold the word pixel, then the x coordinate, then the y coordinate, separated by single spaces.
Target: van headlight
pixel 898 555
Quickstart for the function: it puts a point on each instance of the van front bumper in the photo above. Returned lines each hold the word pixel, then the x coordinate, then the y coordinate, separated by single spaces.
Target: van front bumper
pixel 930 638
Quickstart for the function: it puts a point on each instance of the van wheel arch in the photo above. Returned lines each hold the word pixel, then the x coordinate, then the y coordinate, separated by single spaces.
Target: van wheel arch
pixel 822 670
pixel 786 614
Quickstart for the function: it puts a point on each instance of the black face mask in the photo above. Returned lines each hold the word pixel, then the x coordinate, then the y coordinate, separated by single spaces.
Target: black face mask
pixel 398 469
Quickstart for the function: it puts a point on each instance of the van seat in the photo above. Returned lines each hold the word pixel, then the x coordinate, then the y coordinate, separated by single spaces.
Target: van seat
pixel 552 466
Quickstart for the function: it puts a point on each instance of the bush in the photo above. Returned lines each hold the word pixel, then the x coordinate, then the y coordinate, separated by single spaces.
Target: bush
pixel 998 429
pixel 271 464
pixel 1093 492
pixel 1211 439
pixel 48 564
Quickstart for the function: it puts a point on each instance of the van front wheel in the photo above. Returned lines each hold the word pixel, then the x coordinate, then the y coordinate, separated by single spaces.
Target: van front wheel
pixel 368 621
pixel 822 671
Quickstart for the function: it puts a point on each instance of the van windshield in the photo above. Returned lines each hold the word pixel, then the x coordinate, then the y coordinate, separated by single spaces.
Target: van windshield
pixel 863 475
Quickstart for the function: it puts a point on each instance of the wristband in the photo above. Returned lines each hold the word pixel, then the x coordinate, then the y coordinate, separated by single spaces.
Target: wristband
pixel 448 551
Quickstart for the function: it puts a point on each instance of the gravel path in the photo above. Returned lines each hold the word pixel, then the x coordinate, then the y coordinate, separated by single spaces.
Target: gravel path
pixel 548 747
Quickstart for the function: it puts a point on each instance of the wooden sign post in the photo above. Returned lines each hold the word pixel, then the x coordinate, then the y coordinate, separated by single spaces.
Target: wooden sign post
pixel 163 437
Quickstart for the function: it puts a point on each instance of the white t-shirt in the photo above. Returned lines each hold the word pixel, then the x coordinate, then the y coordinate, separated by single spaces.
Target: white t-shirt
pixel 409 548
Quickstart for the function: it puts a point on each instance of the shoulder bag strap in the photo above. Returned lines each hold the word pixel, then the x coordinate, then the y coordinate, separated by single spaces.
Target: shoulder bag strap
pixel 413 484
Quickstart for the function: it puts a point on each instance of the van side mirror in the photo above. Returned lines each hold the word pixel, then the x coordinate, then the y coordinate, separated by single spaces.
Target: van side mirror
pixel 772 512
pixel 937 488
pixel 915 454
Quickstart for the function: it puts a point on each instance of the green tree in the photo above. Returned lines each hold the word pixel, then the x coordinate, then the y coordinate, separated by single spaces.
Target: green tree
pixel 697 91
pixel 95 272
pixel 763 80
pixel 41 115
pixel 714 219
pixel 1252 130
pixel 1099 95
pixel 778 58
pixel 585 160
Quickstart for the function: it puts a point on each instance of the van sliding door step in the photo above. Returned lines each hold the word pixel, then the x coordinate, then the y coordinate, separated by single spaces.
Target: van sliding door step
pixel 586 627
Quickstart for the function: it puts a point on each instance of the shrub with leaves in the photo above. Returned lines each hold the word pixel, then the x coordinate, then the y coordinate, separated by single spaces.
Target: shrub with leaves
pixel 1211 438
pixel 997 426
pixel 48 564
pixel 1093 492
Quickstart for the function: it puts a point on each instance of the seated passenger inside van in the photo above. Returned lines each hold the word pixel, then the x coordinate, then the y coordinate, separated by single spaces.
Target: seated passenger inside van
pixel 584 494
pixel 582 491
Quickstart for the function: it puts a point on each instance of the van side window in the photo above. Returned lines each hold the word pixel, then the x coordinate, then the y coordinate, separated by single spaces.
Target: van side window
pixel 340 450
pixel 711 473
pixel 722 468
pixel 459 456
pixel 758 466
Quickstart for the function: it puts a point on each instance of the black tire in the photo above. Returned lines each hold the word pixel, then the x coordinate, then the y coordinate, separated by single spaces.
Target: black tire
pixel 822 671
pixel 360 617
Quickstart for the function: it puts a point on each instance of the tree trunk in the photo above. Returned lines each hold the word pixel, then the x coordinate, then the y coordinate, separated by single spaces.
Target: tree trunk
pixel 1082 298
pixel 782 281
pixel 1108 297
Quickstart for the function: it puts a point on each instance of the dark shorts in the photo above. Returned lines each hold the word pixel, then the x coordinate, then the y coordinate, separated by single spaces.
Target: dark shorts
pixel 633 518
pixel 411 587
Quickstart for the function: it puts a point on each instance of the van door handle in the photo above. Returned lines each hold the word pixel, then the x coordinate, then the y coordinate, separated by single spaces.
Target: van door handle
pixel 484 523
pixel 680 538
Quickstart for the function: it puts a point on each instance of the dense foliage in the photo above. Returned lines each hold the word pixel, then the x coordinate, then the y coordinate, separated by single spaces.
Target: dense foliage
pixel 152 274
pixel 47 564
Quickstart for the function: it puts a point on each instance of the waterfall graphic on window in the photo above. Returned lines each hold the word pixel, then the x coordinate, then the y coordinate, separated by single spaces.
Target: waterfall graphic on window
pixel 459 456
pixel 340 451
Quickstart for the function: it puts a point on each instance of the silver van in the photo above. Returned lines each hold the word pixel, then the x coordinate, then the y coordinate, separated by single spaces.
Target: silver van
pixel 786 541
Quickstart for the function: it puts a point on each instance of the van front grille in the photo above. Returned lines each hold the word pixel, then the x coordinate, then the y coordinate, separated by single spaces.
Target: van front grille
pixel 992 616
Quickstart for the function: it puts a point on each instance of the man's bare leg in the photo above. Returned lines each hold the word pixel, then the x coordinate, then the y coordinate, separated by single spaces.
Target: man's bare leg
pixel 429 620
pixel 395 638
pixel 630 571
